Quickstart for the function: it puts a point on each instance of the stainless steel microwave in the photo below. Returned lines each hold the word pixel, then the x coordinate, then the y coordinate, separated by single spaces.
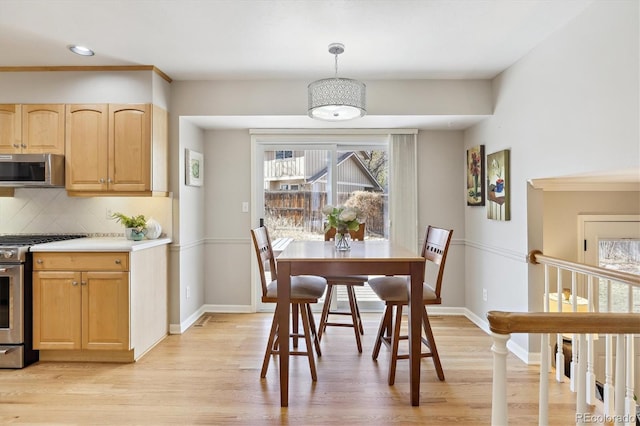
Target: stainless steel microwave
pixel 31 170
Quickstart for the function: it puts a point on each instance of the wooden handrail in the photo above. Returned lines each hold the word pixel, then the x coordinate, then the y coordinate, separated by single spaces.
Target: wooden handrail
pixel 536 257
pixel 563 322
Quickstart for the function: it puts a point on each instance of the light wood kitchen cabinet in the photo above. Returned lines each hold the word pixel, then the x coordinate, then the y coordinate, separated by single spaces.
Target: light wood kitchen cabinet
pixel 103 306
pixel 10 128
pixel 81 301
pixel 32 129
pixel 116 149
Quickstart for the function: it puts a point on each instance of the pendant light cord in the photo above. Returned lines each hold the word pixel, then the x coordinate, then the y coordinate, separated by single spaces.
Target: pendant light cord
pixel 336 55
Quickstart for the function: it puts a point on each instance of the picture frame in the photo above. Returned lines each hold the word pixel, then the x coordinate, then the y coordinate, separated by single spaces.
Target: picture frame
pixel 194 162
pixel 498 186
pixel 475 176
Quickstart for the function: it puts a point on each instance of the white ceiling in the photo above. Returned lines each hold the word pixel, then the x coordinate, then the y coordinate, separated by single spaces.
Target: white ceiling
pixel 287 39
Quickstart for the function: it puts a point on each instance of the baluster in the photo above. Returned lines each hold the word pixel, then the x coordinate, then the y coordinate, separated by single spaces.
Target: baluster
pixel 543 398
pixel 591 376
pixel 580 343
pixel 619 380
pixel 575 350
pixel 629 403
pixel 559 353
pixel 546 351
pixel 499 415
pixel 608 377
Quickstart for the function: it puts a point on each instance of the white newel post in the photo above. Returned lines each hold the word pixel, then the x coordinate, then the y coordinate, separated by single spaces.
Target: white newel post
pixel 499 415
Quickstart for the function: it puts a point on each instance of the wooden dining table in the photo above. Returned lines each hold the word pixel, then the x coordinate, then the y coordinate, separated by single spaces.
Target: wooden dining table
pixel 370 257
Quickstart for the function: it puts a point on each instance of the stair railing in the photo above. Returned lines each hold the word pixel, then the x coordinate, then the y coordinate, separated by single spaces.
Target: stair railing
pixel 585 327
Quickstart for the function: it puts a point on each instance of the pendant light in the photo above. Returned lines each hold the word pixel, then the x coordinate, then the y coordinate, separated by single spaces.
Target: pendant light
pixel 337 99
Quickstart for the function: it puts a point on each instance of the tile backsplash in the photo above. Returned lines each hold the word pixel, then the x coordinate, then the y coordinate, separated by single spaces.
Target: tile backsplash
pixel 50 210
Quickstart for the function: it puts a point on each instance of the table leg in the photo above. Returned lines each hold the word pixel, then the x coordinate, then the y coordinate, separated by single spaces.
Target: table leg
pixel 284 300
pixel 415 324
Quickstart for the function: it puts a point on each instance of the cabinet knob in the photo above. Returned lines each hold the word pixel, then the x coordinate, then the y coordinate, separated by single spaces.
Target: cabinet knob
pixel 74 283
pixel 15 145
pixel 83 283
pixel 118 261
pixel 101 180
pixel 39 261
pixel 109 180
pixel 23 145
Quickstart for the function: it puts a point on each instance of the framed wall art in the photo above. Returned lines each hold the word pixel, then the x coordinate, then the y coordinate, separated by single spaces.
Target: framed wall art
pixel 193 168
pixel 498 186
pixel 475 176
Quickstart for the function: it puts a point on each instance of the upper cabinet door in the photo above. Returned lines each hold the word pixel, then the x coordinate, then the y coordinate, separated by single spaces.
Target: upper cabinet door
pixel 129 147
pixel 10 129
pixel 86 147
pixel 43 128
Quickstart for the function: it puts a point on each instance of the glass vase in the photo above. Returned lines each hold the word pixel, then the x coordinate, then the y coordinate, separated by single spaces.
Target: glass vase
pixel 342 241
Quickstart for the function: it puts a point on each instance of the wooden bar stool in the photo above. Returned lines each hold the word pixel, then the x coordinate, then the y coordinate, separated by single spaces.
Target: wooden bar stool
pixel 305 290
pixel 349 282
pixel 394 291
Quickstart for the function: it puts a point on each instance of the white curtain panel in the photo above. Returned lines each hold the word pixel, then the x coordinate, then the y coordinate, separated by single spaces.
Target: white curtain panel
pixel 403 190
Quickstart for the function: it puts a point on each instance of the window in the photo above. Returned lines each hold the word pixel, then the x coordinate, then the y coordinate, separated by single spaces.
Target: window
pixel 281 155
pixel 331 169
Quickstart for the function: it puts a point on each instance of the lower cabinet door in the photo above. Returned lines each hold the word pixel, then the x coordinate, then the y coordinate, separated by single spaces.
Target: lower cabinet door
pixel 57 301
pixel 105 310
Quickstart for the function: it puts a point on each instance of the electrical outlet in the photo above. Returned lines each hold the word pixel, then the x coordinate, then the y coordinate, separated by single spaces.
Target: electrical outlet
pixel 245 207
pixel 484 294
pixel 188 292
pixel 108 213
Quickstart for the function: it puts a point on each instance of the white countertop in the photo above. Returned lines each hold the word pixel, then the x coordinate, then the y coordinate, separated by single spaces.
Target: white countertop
pixel 99 244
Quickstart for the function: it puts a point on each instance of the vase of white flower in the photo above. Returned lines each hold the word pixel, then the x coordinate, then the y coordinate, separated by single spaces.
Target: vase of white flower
pixel 343 219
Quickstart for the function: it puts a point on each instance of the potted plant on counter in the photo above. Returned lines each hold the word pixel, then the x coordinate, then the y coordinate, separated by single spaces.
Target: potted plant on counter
pixel 135 225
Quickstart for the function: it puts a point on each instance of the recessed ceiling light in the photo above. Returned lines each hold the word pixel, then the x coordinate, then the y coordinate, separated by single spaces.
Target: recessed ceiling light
pixel 81 50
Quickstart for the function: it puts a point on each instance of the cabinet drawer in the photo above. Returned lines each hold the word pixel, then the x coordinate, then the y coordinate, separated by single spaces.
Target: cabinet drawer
pixel 72 261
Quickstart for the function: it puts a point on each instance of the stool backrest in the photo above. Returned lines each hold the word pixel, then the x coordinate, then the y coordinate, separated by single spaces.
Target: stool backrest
pixel 435 249
pixel 264 253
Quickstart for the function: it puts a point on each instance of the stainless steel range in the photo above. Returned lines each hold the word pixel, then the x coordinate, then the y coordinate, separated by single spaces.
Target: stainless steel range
pixel 16 298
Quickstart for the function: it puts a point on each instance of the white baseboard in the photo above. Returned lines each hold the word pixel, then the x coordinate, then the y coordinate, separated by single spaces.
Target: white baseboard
pixel 525 356
pixel 517 350
pixel 228 309
pixel 223 309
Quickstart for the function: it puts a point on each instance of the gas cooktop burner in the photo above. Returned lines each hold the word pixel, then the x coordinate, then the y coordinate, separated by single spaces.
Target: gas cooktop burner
pixel 31 239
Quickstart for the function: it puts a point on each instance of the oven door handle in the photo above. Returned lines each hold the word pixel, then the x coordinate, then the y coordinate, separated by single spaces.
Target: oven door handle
pixel 5 350
pixel 5 268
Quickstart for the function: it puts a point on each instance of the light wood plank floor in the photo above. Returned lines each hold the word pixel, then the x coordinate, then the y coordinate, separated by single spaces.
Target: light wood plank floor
pixel 210 375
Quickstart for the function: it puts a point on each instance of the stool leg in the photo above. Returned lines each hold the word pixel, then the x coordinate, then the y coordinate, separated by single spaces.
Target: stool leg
pixel 294 324
pixel 325 311
pixel 354 315
pixel 395 339
pixel 314 333
pixel 384 325
pixel 307 339
pixel 432 344
pixel 358 313
pixel 270 345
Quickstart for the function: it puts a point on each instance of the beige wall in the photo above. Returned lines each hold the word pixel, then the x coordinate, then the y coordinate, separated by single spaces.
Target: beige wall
pixel 561 210
pixel 568 107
